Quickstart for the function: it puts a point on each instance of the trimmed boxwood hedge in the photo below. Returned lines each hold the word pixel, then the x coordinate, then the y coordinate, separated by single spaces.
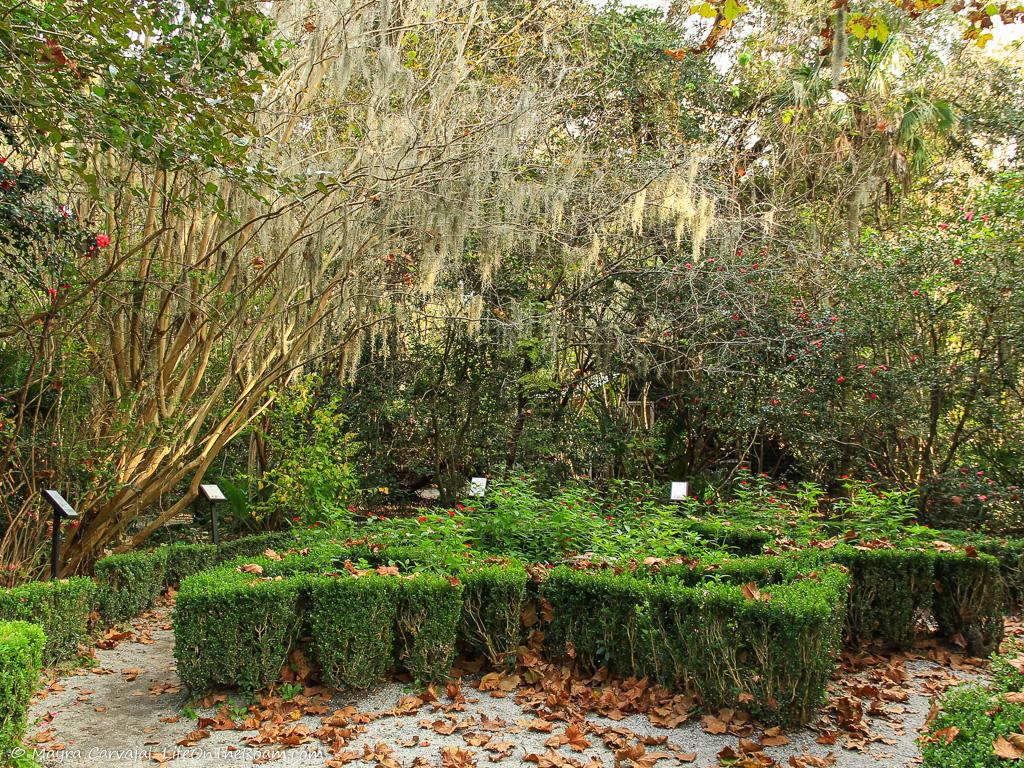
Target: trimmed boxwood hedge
pixel 62 608
pixel 257 544
pixel 492 607
pixel 1010 554
pixel 702 633
pixel 21 659
pixel 235 629
pixel 969 600
pixel 352 628
pixel 742 541
pixel 692 627
pixel 891 592
pixel 183 560
pixel 427 622
pixel 129 583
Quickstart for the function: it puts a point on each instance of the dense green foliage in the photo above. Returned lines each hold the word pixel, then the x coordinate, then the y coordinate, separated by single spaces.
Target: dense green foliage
pixel 709 637
pixel 972 717
pixel 352 629
pixel 63 609
pixel 186 559
pixel 721 626
pixel 427 620
pixel 893 590
pixel 493 599
pixel 677 244
pixel 21 660
pixel 129 583
pixel 234 630
pixel 969 600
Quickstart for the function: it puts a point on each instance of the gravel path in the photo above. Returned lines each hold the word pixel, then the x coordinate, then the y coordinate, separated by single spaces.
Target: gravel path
pixel 129 710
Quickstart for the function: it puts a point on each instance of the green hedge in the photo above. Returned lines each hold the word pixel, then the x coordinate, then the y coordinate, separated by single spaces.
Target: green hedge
pixel 1010 554
pixel 969 600
pixel 129 583
pixel 183 560
pixel 891 592
pixel 429 609
pixel 761 569
pixel 704 634
pixel 62 608
pixel 21 659
pixel 492 606
pixel 600 620
pixel 352 628
pixel 257 544
pixel 235 629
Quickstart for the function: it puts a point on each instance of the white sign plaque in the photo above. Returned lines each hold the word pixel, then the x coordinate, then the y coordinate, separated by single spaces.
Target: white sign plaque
pixel 477 486
pixel 212 493
pixel 678 492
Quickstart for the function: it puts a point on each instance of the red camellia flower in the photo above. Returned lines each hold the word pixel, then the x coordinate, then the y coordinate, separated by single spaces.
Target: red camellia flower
pixel 102 241
pixel 423 518
pixel 841 379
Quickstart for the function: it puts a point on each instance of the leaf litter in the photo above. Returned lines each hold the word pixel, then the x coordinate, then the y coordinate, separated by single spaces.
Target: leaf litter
pixel 540 714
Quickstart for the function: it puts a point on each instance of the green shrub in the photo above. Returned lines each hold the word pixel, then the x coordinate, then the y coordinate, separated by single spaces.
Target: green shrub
pixel 352 628
pixel 129 583
pixel 704 635
pixel 235 629
pixel 890 593
pixel 971 716
pixel 21 659
pixel 183 560
pixel 429 608
pixel 492 605
pixel 600 620
pixel 63 608
pixel 724 644
pixel 1010 554
pixel 980 718
pixel 969 600
pixel 761 569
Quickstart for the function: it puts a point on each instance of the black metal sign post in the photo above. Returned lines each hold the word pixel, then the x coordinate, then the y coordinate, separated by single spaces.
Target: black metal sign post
pixel 61 511
pixel 213 495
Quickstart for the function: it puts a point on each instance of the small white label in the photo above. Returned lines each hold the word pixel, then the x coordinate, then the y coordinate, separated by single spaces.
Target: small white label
pixel 212 492
pixel 678 492
pixel 477 486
